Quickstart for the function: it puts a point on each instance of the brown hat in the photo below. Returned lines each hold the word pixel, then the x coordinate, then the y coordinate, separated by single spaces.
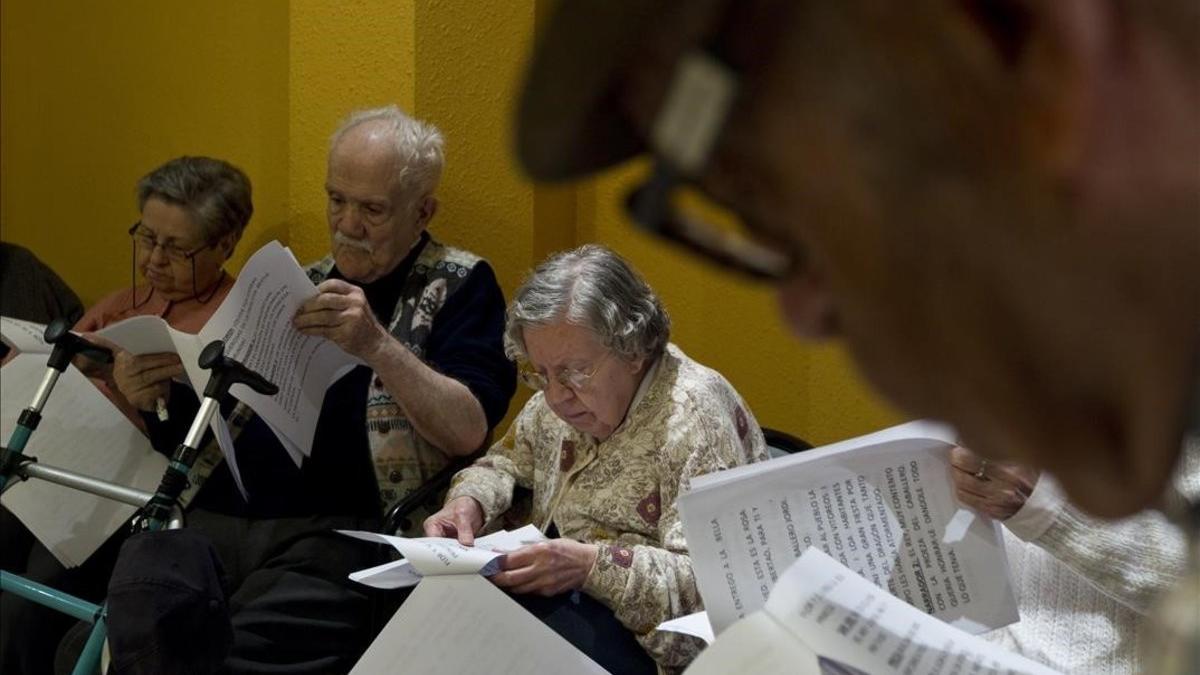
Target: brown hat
pixel 569 123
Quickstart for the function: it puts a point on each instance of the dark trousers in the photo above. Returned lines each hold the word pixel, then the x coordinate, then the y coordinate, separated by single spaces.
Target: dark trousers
pixel 292 607
pixel 15 542
pixel 593 629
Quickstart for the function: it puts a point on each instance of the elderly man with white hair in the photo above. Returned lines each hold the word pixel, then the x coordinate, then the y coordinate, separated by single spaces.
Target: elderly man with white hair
pixel 426 318
pixel 427 321
pixel 622 421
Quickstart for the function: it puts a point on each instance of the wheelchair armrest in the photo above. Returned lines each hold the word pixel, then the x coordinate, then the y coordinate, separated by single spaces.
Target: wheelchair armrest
pixel 397 517
pixel 784 442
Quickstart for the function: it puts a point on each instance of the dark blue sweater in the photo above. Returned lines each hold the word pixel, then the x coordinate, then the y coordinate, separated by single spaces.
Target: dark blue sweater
pixel 465 343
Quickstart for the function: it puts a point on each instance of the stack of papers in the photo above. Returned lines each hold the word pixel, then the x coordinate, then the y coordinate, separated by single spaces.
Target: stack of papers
pixel 463 625
pixel 456 621
pixel 435 556
pixel 883 505
pixel 824 619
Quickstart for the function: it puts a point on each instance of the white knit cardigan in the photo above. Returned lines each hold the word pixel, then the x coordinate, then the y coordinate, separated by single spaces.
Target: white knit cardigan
pixel 1084 585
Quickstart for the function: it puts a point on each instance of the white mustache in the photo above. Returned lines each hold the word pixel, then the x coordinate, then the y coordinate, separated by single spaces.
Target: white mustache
pixel 340 239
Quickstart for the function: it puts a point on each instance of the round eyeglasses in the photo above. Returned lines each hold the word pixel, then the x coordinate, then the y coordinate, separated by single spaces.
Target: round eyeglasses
pixel 575 380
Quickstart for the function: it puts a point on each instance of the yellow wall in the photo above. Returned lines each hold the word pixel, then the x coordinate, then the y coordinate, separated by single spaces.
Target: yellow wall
pixel 733 326
pixel 94 97
pixel 341 56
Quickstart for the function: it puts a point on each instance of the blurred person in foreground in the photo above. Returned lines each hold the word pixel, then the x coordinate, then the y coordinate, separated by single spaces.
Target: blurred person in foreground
pixel 996 204
pixel 622 421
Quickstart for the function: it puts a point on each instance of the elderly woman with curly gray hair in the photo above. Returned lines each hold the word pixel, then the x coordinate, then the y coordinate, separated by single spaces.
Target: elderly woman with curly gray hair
pixel 622 420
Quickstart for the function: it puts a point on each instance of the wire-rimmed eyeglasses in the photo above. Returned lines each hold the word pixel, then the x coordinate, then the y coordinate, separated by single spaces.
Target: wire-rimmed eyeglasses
pixel 575 380
pixel 144 240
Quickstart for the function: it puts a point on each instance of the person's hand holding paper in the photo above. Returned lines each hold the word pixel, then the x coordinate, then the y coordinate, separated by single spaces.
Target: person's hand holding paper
pixel 437 556
pixel 995 489
pixel 145 379
pixel 340 313
pixel 136 382
pixel 544 568
pixel 91 367
pixel 461 518
pixel 547 568
pixel 442 409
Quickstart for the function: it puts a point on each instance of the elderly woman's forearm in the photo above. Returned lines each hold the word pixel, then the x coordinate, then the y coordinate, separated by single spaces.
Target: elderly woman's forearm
pixel 644 585
pixel 492 489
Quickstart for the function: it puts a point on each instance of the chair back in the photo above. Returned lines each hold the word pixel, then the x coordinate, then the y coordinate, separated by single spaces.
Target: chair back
pixel 781 443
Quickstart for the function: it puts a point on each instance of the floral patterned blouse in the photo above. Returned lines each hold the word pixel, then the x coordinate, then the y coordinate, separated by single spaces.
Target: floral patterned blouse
pixel 620 494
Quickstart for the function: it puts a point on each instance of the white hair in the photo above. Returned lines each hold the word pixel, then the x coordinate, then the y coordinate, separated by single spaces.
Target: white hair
pixel 595 288
pixel 419 147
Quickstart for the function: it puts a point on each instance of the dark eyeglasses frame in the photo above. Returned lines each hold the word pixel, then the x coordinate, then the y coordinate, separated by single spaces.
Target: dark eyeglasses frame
pixel 188 256
pixel 686 128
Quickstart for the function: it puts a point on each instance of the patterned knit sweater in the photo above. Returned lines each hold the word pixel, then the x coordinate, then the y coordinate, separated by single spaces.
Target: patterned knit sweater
pixel 1084 585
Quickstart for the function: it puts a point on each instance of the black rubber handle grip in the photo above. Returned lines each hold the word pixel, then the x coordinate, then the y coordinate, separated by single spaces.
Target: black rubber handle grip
pixel 227 372
pixel 67 345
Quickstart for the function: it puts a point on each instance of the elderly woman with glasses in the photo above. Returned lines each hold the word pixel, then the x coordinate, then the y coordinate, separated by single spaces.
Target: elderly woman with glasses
pixel 194 210
pixel 621 422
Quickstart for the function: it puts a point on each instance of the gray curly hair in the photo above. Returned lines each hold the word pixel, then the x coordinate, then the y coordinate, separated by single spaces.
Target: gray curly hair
pixel 214 193
pixel 593 287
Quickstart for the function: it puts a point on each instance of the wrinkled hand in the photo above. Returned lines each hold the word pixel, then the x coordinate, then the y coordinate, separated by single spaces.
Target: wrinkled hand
pixel 340 312
pixel 548 567
pixel 144 379
pixel 1002 489
pixel 461 517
